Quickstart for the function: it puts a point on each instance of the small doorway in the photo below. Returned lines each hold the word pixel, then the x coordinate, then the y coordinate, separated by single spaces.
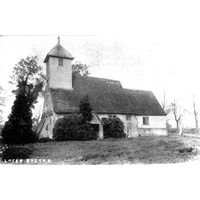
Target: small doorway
pixel 95 129
pixel 129 129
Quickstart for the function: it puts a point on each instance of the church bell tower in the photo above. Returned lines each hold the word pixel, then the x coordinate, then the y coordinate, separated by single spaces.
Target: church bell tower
pixel 59 68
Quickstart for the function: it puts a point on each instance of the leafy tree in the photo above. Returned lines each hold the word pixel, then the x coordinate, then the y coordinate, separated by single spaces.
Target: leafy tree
pixel 27 74
pixel 79 68
pixel 85 109
pixel 1 126
pixel 1 119
pixel 18 128
pixel 2 98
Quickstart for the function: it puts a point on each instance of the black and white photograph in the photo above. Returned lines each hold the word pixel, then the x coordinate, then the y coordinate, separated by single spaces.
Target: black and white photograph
pixel 100 86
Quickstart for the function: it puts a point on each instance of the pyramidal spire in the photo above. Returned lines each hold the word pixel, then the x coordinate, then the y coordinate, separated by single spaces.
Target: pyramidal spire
pixel 58 39
pixel 59 52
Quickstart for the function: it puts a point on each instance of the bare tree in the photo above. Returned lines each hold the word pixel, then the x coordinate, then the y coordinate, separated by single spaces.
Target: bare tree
pixel 178 112
pixel 2 102
pixel 164 102
pixel 196 112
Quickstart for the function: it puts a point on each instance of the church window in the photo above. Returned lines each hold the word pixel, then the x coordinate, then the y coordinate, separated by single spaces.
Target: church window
pixel 60 60
pixel 128 117
pixel 145 120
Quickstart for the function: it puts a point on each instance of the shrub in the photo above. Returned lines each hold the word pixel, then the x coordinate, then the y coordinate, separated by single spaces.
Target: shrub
pixel 76 126
pixel 70 127
pixel 87 132
pixel 65 126
pixel 44 140
pixel 20 135
pixel 17 152
pixel 113 127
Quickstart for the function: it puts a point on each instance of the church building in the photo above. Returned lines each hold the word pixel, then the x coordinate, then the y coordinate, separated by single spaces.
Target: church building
pixel 139 110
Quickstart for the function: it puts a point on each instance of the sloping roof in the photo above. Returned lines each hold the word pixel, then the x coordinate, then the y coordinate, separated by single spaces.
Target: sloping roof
pixel 144 102
pixel 59 52
pixel 105 96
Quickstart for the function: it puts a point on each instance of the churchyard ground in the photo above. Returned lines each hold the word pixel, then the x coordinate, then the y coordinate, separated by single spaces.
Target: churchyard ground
pixel 139 150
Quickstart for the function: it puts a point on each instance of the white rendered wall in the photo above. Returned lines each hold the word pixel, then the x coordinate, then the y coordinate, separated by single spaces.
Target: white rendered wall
pixel 154 122
pixel 60 76
pixel 157 125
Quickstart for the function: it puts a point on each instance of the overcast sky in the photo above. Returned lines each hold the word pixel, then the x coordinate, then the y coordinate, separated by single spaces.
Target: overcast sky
pixel 148 45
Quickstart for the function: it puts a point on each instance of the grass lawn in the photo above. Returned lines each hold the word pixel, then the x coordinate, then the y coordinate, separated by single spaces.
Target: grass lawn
pixel 139 150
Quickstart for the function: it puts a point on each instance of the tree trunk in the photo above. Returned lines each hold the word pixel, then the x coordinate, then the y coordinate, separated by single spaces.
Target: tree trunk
pixel 196 120
pixel 195 113
pixel 197 126
pixel 177 124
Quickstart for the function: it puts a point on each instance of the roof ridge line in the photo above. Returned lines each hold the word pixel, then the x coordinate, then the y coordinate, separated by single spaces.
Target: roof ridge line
pixel 101 78
pixel 138 90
